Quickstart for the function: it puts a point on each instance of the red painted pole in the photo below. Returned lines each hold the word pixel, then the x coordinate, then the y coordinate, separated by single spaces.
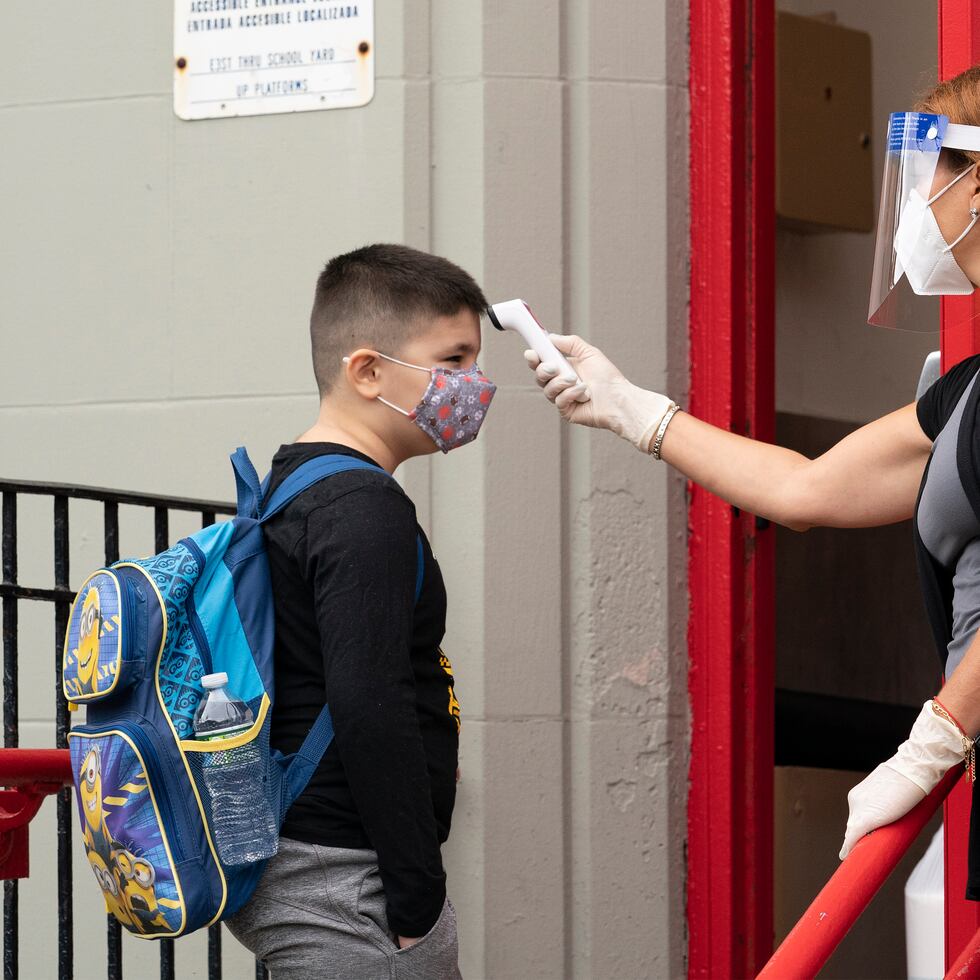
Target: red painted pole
pixel 967 965
pixel 730 561
pixel 20 767
pixel 959 49
pixel 852 886
pixel 962 917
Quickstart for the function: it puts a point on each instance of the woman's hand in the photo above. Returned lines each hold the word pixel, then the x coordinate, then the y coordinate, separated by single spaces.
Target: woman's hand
pixel 604 399
pixel 934 745
pixel 878 800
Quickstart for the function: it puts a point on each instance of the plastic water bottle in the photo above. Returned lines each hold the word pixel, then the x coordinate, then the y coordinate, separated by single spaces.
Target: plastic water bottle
pixel 244 827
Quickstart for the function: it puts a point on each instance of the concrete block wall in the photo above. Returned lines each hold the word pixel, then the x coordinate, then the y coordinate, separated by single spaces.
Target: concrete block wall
pixel 153 303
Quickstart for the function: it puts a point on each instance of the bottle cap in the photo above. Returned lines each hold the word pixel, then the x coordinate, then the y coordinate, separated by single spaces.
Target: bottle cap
pixel 211 681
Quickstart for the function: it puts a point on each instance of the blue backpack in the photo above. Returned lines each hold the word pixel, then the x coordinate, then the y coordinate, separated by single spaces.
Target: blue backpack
pixel 140 636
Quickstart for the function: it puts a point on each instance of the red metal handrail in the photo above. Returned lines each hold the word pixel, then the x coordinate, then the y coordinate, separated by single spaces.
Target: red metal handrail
pixel 19 767
pixel 28 776
pixel 852 886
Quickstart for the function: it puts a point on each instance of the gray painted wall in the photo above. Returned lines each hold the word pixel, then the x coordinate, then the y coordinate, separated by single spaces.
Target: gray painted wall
pixel 154 289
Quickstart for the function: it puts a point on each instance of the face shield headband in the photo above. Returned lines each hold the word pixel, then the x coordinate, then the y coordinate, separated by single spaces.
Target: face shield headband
pixel 913 263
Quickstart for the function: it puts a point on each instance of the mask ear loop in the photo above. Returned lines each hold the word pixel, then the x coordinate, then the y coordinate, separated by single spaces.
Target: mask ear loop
pixel 408 415
pixel 394 360
pixel 384 401
pixel 414 367
pixel 974 213
pixel 935 197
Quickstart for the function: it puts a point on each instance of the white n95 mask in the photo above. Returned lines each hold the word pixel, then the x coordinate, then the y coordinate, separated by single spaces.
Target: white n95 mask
pixel 922 253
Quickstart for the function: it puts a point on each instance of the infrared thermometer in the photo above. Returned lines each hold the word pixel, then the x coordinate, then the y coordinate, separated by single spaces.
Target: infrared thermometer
pixel 516 315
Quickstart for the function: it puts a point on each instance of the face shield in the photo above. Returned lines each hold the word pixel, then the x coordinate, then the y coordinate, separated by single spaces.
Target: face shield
pixel 913 263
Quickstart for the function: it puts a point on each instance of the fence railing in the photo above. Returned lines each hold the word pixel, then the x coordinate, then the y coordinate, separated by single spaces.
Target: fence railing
pixel 12 593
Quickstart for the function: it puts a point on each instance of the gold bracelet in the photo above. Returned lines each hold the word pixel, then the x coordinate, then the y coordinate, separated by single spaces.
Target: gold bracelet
pixel 664 422
pixel 969 745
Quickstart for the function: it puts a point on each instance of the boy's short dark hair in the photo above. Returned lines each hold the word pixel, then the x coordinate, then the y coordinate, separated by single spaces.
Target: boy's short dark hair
pixel 379 297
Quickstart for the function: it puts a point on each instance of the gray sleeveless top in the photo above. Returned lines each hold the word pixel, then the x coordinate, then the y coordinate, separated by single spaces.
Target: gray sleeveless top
pixel 951 533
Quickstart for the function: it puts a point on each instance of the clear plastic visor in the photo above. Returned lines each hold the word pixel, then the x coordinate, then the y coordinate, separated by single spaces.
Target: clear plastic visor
pixel 910 181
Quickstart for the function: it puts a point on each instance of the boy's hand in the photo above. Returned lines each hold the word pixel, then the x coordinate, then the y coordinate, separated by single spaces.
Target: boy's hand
pixel 613 402
pixel 404 941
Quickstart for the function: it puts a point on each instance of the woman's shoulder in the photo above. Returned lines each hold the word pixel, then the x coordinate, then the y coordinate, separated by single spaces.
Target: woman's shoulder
pixel 938 403
pixel 963 372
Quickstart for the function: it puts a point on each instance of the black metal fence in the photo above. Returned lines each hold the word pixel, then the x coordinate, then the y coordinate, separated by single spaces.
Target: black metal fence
pixel 60 597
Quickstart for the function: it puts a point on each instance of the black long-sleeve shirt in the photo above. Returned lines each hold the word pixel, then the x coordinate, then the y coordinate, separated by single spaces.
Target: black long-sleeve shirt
pixel 343 559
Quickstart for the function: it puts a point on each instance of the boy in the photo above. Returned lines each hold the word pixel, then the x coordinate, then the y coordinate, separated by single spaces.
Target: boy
pixel 358 888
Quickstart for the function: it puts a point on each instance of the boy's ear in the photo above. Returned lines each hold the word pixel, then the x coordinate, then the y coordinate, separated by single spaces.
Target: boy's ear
pixel 363 372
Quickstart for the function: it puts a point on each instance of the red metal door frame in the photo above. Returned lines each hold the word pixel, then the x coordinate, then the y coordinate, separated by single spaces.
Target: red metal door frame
pixel 730 565
pixel 959 48
pixel 730 560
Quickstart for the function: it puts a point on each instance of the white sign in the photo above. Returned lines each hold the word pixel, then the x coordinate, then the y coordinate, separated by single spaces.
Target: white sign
pixel 255 57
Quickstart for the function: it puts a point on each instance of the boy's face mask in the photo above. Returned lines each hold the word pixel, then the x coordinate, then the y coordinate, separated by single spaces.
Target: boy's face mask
pixel 453 406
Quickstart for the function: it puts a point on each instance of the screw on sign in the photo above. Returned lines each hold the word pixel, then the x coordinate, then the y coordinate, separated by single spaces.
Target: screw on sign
pixel 318 57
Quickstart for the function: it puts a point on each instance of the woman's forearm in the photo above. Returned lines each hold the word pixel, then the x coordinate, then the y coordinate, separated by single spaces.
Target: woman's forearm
pixel 960 695
pixel 754 476
pixel 869 478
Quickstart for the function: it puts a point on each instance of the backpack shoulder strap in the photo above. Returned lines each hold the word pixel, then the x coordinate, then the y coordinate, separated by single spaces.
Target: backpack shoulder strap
pixel 304 477
pixel 247 487
pixel 310 473
pixel 304 763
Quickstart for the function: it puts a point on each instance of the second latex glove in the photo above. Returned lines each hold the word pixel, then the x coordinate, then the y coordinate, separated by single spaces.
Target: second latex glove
pixel 631 412
pixel 934 745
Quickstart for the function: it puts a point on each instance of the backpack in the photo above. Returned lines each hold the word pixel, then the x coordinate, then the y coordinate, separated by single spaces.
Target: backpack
pixel 140 636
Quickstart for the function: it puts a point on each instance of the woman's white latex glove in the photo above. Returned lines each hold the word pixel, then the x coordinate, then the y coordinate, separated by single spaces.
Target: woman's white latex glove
pixel 934 745
pixel 611 402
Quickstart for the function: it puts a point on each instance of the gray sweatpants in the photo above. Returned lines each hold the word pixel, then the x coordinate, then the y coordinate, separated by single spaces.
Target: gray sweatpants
pixel 319 912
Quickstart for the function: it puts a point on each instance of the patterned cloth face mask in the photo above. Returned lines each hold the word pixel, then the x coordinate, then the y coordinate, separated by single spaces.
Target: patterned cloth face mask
pixel 453 405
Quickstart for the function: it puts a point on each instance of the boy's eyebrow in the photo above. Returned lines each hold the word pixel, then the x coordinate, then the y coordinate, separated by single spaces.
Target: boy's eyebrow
pixel 462 348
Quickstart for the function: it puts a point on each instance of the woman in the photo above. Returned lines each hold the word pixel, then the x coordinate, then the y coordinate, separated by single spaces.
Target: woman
pixel 927 246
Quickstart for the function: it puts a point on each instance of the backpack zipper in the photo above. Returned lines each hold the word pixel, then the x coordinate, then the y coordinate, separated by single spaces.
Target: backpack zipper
pixel 193 620
pixel 168 795
pixel 134 599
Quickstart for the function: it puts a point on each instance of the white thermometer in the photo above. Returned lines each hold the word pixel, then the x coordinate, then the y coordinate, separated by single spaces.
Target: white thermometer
pixel 516 315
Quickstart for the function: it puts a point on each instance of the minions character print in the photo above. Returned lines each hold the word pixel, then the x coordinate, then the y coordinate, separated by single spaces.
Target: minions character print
pixel 92 643
pixel 454 709
pixel 122 838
